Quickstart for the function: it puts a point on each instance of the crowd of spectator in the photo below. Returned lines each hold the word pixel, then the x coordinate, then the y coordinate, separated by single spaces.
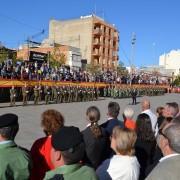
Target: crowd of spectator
pixel 35 71
pixel 145 148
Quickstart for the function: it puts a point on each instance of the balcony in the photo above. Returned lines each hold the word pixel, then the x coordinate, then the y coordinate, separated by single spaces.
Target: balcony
pixel 96 52
pixel 97 31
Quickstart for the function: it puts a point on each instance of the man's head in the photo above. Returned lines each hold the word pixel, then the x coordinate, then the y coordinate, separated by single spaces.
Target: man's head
pixel 171 109
pixel 169 139
pixel 113 109
pixel 145 104
pixel 8 126
pixel 68 146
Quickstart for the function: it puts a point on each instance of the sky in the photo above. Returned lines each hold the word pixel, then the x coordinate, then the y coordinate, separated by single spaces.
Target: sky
pixel 156 23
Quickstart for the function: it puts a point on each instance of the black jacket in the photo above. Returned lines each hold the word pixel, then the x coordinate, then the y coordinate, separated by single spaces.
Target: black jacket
pixel 96 148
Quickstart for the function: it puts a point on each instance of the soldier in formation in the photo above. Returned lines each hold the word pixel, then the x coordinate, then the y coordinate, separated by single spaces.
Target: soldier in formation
pixel 12 96
pixel 25 93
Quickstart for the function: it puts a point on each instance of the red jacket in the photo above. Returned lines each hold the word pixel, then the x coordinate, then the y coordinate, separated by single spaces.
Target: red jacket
pixel 40 153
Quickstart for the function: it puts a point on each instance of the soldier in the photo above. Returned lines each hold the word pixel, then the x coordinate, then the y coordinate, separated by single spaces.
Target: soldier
pixel 59 94
pixel 105 91
pixel 54 94
pixel 12 96
pixel 25 92
pixel 47 92
pixel 36 95
pixel 40 93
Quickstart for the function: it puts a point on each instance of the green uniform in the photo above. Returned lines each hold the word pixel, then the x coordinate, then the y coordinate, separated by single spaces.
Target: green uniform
pixel 74 171
pixel 47 92
pixel 12 96
pixel 54 94
pixel 15 163
pixel 36 95
pixel 25 92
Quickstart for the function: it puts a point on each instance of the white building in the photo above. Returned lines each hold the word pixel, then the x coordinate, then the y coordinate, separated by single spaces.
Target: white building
pixel 171 61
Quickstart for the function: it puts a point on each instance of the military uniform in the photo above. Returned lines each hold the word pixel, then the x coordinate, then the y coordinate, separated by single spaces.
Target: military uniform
pixel 47 92
pixel 36 95
pixel 12 96
pixel 15 163
pixel 25 92
pixel 54 94
pixel 74 171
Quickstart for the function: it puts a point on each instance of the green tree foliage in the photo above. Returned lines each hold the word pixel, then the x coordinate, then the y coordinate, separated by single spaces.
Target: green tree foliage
pixel 121 69
pixel 93 69
pixel 57 58
pixel 177 81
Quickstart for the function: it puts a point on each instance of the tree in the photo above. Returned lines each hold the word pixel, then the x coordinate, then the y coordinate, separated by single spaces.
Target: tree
pixel 93 69
pixel 177 81
pixel 57 58
pixel 121 69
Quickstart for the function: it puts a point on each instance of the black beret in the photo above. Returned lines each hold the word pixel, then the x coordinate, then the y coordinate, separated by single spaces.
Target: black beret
pixel 7 120
pixel 66 138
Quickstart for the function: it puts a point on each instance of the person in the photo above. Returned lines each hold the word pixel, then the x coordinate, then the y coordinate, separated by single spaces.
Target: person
pixel 12 96
pixel 169 143
pixel 145 143
pixel 133 95
pixel 51 121
pixel 66 154
pixel 15 162
pixel 128 118
pixel 171 110
pixel 25 92
pixel 160 117
pixel 36 95
pixel 113 112
pixel 47 92
pixel 145 105
pixel 95 139
pixel 123 165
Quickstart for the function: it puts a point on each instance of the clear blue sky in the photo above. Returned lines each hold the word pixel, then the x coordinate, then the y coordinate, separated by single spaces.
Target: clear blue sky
pixel 155 22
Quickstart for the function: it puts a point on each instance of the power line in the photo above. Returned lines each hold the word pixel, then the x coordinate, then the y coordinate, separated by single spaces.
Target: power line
pixel 18 21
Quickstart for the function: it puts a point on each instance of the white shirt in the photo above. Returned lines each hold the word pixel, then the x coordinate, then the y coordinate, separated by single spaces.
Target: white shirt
pixel 124 168
pixel 153 118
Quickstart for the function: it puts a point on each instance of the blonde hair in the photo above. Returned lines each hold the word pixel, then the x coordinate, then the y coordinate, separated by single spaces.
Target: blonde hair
pixel 125 140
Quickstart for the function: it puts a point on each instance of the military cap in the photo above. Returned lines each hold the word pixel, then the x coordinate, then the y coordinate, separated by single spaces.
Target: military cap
pixel 66 138
pixel 7 120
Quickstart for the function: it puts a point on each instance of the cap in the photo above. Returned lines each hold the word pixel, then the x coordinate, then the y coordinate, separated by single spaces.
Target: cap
pixel 66 138
pixel 7 120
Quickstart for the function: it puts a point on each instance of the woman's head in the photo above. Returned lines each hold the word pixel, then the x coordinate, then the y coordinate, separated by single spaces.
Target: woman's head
pixel 93 114
pixel 123 141
pixel 144 128
pixel 51 121
pixel 159 111
pixel 128 113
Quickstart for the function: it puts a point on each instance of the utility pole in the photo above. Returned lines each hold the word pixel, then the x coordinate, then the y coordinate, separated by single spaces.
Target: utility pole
pixel 133 42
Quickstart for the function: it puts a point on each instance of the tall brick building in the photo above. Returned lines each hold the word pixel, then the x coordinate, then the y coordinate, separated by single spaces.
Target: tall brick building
pixel 98 40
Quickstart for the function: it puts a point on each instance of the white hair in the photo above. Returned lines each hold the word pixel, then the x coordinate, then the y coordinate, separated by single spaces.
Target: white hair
pixel 128 112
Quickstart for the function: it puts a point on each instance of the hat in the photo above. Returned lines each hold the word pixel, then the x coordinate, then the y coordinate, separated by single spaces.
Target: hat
pixel 66 138
pixel 7 120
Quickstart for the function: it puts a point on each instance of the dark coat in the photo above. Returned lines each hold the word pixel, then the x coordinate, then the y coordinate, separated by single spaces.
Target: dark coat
pixel 96 148
pixel 144 151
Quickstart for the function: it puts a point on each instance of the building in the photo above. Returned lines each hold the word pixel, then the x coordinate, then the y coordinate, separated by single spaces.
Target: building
pixel 70 56
pixel 97 39
pixel 171 61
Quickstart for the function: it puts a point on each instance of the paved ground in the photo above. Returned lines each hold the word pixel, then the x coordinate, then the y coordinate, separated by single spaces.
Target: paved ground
pixel 74 113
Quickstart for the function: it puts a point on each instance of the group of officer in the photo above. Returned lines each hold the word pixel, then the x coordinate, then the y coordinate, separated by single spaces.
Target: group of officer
pixel 56 94
pixel 126 92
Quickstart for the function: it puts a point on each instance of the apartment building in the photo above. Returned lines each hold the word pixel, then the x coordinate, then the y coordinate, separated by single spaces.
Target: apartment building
pixel 98 40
